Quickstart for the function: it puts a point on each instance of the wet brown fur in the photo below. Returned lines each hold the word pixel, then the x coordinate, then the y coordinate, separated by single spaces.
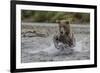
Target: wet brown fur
pixel 65 36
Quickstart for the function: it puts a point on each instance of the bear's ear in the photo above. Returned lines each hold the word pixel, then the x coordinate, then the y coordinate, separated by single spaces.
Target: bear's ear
pixel 57 21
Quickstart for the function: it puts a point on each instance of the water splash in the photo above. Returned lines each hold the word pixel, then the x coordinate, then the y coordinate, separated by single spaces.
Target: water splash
pixel 51 50
pixel 81 46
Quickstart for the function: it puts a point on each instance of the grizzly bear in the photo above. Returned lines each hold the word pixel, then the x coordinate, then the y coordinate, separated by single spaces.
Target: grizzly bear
pixel 65 38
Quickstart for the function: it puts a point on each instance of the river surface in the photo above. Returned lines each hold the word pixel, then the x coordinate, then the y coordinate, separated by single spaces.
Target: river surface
pixel 37 43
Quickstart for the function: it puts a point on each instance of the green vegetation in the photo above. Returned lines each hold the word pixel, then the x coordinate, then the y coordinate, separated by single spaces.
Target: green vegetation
pixel 52 16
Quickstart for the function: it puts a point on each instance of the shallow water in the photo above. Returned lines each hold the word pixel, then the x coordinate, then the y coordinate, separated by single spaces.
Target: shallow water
pixel 42 49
